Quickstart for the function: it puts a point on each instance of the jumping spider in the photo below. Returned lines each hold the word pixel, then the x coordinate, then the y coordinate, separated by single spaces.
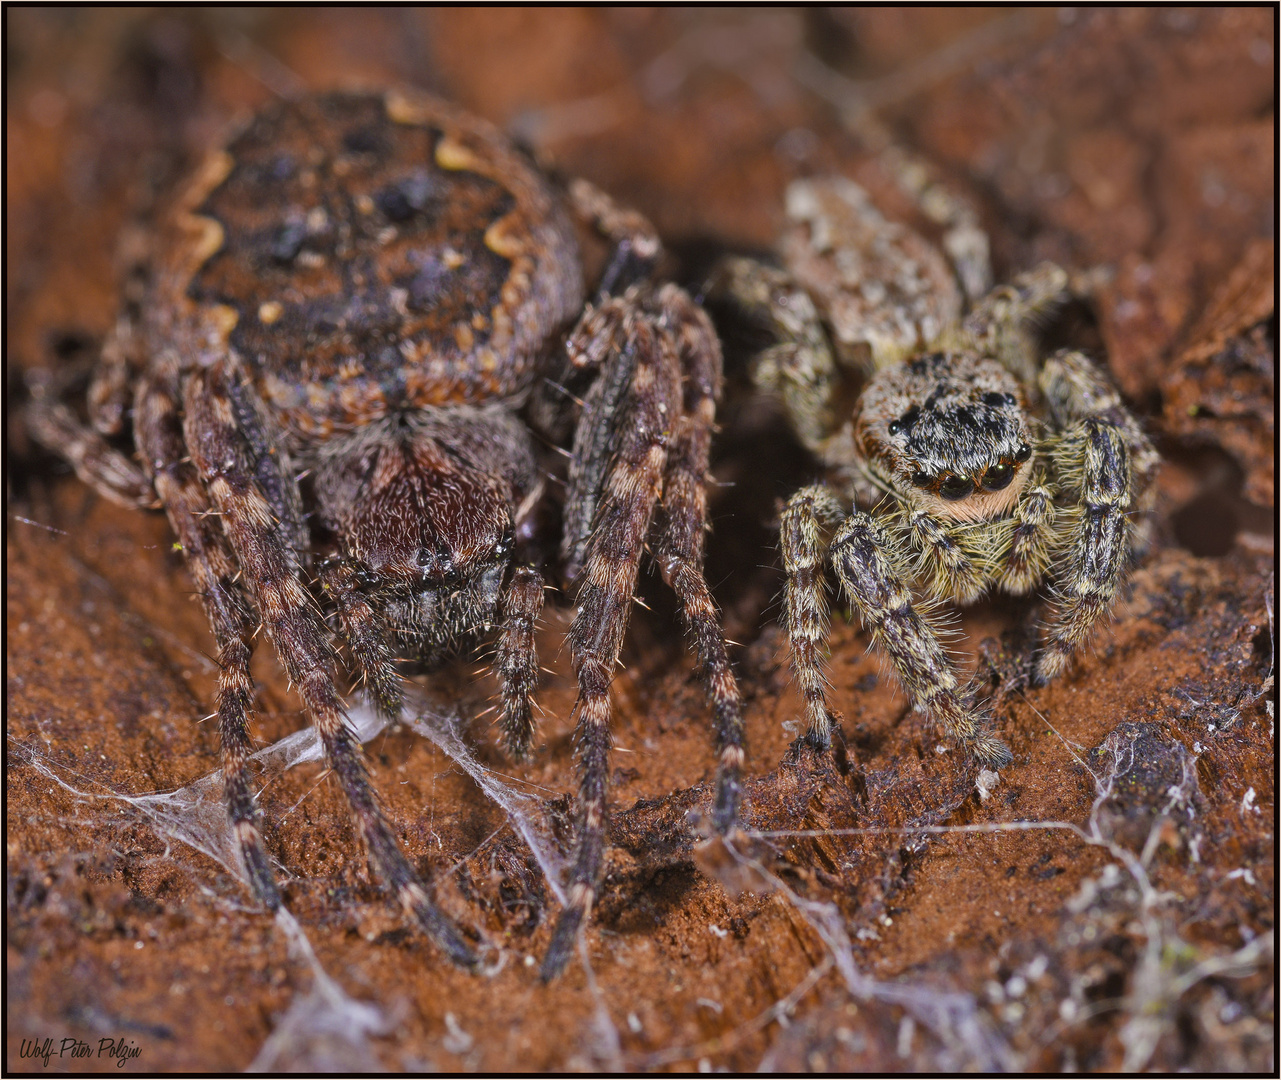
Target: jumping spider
pixel 972 463
pixel 366 290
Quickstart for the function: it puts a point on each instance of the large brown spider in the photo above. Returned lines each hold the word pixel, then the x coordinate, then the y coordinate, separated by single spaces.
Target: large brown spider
pixel 972 463
pixel 367 289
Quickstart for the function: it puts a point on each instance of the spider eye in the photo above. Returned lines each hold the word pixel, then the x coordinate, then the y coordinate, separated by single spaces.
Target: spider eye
pixel 998 477
pixel 1023 452
pixel 953 487
pixel 904 422
pixel 437 565
pixel 921 479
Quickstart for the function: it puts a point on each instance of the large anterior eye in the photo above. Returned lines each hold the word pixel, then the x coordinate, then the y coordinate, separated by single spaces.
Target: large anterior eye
pixel 953 487
pixel 997 477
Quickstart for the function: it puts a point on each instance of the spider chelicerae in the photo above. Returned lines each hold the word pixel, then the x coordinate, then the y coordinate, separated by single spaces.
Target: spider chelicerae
pixel 371 291
pixel 973 462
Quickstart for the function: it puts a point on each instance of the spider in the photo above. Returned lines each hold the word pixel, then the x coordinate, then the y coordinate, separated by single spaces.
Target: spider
pixel 972 463
pixel 365 290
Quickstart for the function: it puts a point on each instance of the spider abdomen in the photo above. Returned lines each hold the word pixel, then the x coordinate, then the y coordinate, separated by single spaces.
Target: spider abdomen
pixel 364 253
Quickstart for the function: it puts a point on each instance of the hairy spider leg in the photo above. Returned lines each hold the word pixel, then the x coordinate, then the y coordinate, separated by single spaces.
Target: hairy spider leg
pixel 169 475
pixel 635 249
pixel 1002 324
pixel 804 535
pixel 679 532
pixel 1032 541
pixel 1086 588
pixel 365 631
pixel 223 440
pixel 1101 454
pixel 604 599
pixel 516 660
pixel 102 467
pixel 595 344
pixel 798 365
pixel 878 590
pixel 213 567
pixel 1076 388
pixel 635 243
pixel 947 566
pixel 111 390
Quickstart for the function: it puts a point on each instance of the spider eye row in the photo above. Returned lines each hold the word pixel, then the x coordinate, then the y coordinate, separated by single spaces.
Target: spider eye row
pixel 956 486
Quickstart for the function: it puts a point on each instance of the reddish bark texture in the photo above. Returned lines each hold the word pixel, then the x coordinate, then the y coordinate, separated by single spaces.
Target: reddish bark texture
pixel 1137 139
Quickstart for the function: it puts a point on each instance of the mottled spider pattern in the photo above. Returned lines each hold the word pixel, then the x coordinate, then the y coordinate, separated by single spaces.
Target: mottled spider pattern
pixel 350 306
pixel 972 462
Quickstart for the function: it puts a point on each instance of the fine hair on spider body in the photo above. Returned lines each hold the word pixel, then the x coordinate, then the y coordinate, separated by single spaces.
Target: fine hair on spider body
pixel 371 290
pixel 972 462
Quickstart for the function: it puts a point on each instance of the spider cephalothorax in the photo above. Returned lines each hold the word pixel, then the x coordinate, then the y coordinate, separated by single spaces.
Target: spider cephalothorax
pixel 973 462
pixel 365 290
pixel 948 430
pixel 424 505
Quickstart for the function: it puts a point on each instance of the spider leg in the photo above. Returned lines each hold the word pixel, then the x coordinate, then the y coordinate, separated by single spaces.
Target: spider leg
pixel 595 344
pixel 679 534
pixel 635 251
pixel 964 240
pixel 860 554
pixel 1032 541
pixel 634 239
pixel 365 631
pixel 516 661
pixel 636 248
pixel 1075 389
pixel 222 437
pixel 110 390
pixel 621 522
pixel 229 609
pixel 949 562
pixel 804 535
pixel 1103 456
pixel 1100 551
pixel 799 365
pixel 1001 324
pixel 98 464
